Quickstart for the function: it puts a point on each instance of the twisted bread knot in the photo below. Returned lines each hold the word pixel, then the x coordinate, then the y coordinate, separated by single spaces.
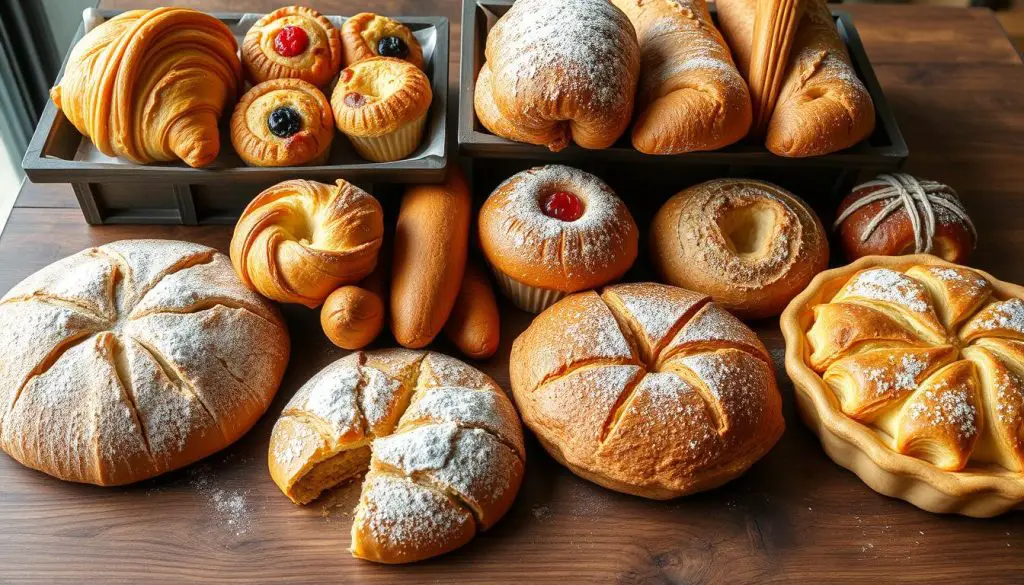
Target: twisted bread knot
pixel 647 389
pixel 299 240
pixel 151 85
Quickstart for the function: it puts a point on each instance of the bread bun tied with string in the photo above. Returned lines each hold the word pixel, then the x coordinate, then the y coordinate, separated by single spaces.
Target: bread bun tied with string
pixel 897 214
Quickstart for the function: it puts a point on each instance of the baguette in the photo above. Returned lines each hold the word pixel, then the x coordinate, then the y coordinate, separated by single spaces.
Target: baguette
pixel 775 25
pixel 431 238
pixel 822 106
pixel 690 97
pixel 474 325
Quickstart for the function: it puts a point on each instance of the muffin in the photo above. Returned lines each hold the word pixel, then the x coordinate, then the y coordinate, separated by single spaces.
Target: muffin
pixel 554 230
pixel 381 104
pixel 369 35
pixel 282 122
pixel 292 42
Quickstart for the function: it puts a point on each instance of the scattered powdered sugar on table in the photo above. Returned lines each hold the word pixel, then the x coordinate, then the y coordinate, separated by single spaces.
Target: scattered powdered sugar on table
pixel 888 286
pixel 232 506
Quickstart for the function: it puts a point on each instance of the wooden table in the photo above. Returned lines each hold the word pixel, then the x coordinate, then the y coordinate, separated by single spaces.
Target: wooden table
pixel 957 87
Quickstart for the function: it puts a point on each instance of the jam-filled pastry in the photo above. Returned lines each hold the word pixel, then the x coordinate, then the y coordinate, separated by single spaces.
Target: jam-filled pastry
pixel 368 35
pixel 292 42
pixel 381 104
pixel 282 122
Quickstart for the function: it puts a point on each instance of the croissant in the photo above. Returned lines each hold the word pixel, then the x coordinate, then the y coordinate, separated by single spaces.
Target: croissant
pixel 150 85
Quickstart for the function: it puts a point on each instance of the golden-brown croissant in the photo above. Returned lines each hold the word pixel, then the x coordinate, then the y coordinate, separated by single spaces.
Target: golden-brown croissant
pixel 150 85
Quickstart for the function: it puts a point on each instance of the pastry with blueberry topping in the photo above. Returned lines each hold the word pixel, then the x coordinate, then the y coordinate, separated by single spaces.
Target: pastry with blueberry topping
pixel 369 35
pixel 381 104
pixel 282 123
pixel 292 42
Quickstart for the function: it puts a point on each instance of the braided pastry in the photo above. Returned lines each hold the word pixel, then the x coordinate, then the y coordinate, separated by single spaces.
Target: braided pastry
pixel 299 240
pixel 150 85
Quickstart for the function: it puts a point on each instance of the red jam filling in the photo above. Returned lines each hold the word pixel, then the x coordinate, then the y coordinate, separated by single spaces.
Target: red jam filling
pixel 354 99
pixel 291 41
pixel 563 206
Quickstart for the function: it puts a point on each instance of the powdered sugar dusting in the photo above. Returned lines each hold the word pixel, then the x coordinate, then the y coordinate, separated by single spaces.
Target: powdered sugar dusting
pixel 403 515
pixel 1005 315
pixel 332 396
pixel 888 286
pixel 944 405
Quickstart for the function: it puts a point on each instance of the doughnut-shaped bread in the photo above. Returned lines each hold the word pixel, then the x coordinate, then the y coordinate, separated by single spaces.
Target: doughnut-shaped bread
pixel 132 359
pixel 559 72
pixel 751 245
pixel 440 442
pixel 528 247
pixel 317 62
pixel 646 389
pixel 299 240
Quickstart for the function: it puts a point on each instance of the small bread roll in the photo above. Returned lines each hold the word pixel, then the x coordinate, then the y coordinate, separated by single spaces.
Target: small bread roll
pixel 474 325
pixel 352 317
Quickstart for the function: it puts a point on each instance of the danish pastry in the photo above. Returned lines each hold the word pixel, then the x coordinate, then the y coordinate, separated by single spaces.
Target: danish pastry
pixel 282 122
pixel 292 42
pixel 150 85
pixel 367 35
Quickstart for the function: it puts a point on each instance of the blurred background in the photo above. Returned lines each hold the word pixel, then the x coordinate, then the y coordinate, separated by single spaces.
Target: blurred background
pixel 35 35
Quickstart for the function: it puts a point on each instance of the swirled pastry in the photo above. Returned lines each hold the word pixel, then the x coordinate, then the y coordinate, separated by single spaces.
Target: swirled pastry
pixel 367 35
pixel 559 72
pixel 299 240
pixel 282 122
pixel 292 42
pixel 150 85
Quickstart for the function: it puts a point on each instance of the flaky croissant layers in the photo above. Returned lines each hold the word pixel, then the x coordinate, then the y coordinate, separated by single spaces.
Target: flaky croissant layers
pixel 150 85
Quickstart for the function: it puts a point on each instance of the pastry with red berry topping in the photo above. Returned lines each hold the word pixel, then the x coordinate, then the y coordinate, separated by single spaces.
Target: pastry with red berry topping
pixel 369 35
pixel 381 104
pixel 292 42
pixel 282 123
pixel 554 230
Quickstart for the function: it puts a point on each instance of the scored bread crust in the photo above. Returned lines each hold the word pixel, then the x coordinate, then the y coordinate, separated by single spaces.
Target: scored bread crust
pixel 132 359
pixel 447 450
pixel 647 389
pixel 318 64
pixel 559 72
pixel 911 371
pixel 361 33
pixel 520 240
pixel 298 241
pixel 690 96
pixel 749 244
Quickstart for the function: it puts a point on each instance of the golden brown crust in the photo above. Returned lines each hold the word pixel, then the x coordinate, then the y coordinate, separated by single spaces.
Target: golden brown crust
pixel 447 449
pixel 318 64
pixel 935 420
pixel 352 317
pixel 429 258
pixel 625 393
pixel 380 95
pixel 132 359
pixel 299 240
pixel 259 147
pixel 690 96
pixel 558 73
pixel 150 85
pixel 474 325
pixel 519 240
pixel 751 245
pixel 878 229
pixel 361 33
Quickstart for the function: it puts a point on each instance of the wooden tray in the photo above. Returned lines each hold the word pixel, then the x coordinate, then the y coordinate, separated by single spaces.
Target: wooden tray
pixel 885 150
pixel 174 193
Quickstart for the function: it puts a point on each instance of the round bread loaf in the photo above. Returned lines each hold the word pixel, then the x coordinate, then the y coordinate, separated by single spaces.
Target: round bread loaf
pixel 539 257
pixel 128 360
pixel 751 245
pixel 647 389
pixel 898 214
pixel 299 240
pixel 440 443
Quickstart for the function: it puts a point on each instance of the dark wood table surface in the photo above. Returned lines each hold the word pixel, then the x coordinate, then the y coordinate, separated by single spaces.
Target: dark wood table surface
pixel 957 87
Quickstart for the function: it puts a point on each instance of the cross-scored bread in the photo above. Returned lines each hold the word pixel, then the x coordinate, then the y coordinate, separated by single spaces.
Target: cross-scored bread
pixel 442 444
pixel 912 371
pixel 128 360
pixel 647 389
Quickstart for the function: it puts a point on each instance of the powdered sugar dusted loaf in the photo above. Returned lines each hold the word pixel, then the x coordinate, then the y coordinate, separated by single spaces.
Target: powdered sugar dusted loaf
pixel 441 442
pixel 559 71
pixel 128 360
